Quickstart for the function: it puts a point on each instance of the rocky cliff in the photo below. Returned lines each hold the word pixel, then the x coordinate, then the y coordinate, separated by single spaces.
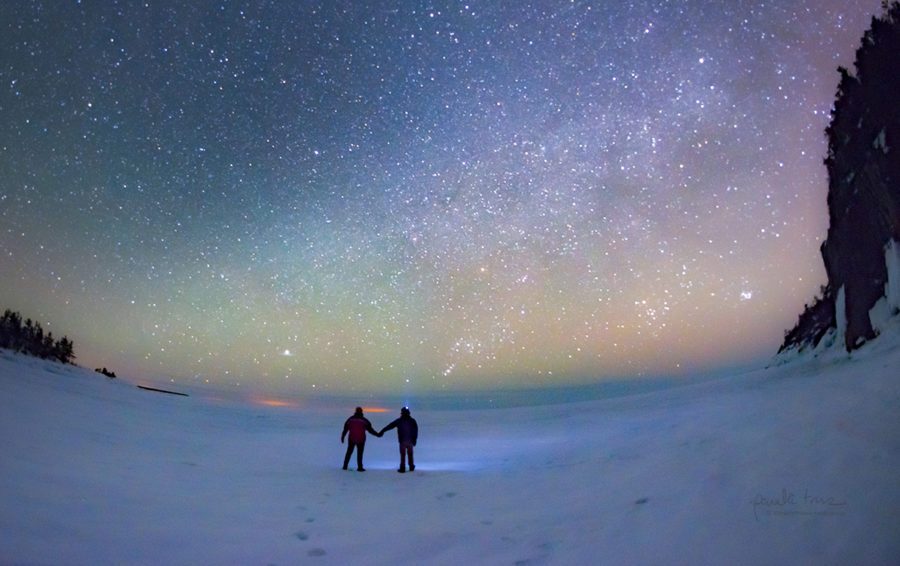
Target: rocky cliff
pixel 864 191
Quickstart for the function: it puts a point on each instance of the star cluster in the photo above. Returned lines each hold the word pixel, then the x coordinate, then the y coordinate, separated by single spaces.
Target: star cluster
pixel 351 196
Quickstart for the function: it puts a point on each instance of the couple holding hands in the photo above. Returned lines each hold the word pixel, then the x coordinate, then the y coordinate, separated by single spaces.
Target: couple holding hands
pixel 358 425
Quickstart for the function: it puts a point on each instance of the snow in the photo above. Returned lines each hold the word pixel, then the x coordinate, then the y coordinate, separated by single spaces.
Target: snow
pixel 793 464
pixel 840 315
pixel 881 314
pixel 892 265
pixel 881 142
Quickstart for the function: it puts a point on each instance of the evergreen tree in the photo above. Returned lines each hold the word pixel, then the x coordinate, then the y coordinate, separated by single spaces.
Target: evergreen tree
pixel 65 350
pixel 29 338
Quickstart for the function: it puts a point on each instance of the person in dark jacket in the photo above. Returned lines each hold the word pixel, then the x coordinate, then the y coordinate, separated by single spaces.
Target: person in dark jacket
pixel 357 426
pixel 407 433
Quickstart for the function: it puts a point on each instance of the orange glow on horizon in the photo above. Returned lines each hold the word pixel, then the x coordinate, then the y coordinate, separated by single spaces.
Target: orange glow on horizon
pixel 269 402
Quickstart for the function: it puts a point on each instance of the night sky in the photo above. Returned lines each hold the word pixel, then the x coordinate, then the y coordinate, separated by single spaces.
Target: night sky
pixel 360 196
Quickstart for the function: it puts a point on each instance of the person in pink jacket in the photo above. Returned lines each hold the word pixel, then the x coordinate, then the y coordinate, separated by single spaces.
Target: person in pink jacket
pixel 357 426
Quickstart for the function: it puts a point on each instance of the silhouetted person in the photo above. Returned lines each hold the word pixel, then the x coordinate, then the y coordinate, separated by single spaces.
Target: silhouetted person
pixel 357 426
pixel 407 433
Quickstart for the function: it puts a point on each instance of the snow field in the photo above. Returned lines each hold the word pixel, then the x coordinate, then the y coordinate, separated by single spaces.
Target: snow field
pixel 795 464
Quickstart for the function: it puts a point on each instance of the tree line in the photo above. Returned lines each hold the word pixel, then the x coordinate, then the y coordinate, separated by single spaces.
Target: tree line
pixel 29 338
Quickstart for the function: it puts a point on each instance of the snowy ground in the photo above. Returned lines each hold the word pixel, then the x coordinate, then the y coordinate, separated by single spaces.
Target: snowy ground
pixel 796 464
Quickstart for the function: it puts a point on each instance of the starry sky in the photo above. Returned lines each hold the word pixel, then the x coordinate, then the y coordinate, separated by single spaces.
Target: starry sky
pixel 354 196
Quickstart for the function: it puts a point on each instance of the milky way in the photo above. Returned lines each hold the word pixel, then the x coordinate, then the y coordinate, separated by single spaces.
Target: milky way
pixel 343 196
